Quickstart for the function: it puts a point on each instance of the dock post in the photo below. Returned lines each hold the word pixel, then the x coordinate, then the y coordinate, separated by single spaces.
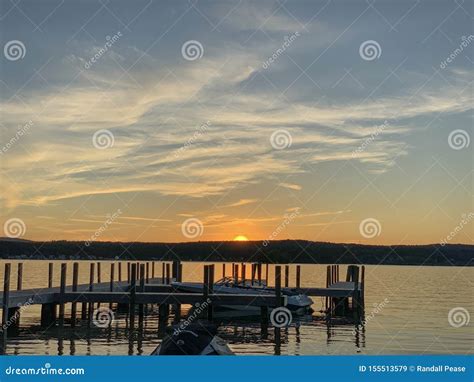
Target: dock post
pixel 205 287
pixel 328 283
pixel 278 297
pixel 19 279
pixel 287 276
pixel 133 287
pixel 152 269
pixel 48 311
pixel 142 289
pixel 128 272
pixel 223 270
pixel 252 273
pixel 91 287
pixel 163 272
pixel 210 309
pixel 147 273
pixel 112 277
pixel 362 286
pixel 119 272
pixel 356 293
pixel 278 285
pixel 75 274
pixel 50 275
pixel 244 273
pixel 259 273
pixel 62 290
pixel 168 279
pixel 298 276
pixel 5 302
pixel 266 274
pixel 99 273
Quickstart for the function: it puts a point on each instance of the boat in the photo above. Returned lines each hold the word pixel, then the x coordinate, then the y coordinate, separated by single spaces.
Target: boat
pixel 297 302
pixel 194 339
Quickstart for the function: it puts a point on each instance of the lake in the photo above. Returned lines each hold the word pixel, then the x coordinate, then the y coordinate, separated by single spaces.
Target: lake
pixel 407 311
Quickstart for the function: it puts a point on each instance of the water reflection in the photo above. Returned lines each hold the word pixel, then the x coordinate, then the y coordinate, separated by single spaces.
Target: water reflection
pixel 244 335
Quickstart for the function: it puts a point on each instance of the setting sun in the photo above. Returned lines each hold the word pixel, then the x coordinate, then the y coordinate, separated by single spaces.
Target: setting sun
pixel 241 238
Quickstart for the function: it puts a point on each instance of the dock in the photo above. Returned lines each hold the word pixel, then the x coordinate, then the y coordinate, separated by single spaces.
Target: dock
pixel 141 287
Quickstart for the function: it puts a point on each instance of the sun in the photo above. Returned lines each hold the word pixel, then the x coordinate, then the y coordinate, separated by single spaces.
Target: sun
pixel 241 238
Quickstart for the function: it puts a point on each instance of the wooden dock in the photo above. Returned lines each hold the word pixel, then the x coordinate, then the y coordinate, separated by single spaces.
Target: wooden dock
pixel 142 288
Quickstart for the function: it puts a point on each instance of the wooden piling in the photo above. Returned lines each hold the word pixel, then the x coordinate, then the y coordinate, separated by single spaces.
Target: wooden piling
pixel 142 289
pixel 19 279
pixel 6 300
pixel 279 301
pixel 147 272
pixel 91 287
pixel 75 277
pixel 112 278
pixel 50 275
pixel 152 269
pixel 210 309
pixel 266 274
pixel 287 276
pixel 298 276
pixel 133 287
pixel 119 272
pixel 62 290
pixel 278 294
pixel 259 273
pixel 244 274
pixel 223 270
pixel 163 279
pixel 168 277
pixel 236 273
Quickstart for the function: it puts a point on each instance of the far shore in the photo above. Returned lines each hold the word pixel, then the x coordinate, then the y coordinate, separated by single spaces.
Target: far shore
pixel 278 251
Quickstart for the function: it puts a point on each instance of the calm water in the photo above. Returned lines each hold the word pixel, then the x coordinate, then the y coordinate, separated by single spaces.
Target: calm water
pixel 414 320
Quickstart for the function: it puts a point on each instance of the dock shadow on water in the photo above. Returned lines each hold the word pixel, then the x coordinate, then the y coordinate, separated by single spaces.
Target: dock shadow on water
pixel 244 336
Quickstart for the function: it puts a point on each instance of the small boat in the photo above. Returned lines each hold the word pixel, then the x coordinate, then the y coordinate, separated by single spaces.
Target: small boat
pixel 195 339
pixel 297 302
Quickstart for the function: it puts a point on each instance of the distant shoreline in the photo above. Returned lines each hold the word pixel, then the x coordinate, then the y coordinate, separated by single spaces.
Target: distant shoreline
pixel 282 251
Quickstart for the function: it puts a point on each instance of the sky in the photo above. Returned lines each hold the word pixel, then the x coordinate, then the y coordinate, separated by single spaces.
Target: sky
pixel 171 121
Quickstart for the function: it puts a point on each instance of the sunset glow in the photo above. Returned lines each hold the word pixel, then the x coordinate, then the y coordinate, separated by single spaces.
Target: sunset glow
pixel 241 238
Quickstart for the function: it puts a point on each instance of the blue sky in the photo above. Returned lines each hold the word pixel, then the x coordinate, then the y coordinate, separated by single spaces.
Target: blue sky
pixel 192 138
